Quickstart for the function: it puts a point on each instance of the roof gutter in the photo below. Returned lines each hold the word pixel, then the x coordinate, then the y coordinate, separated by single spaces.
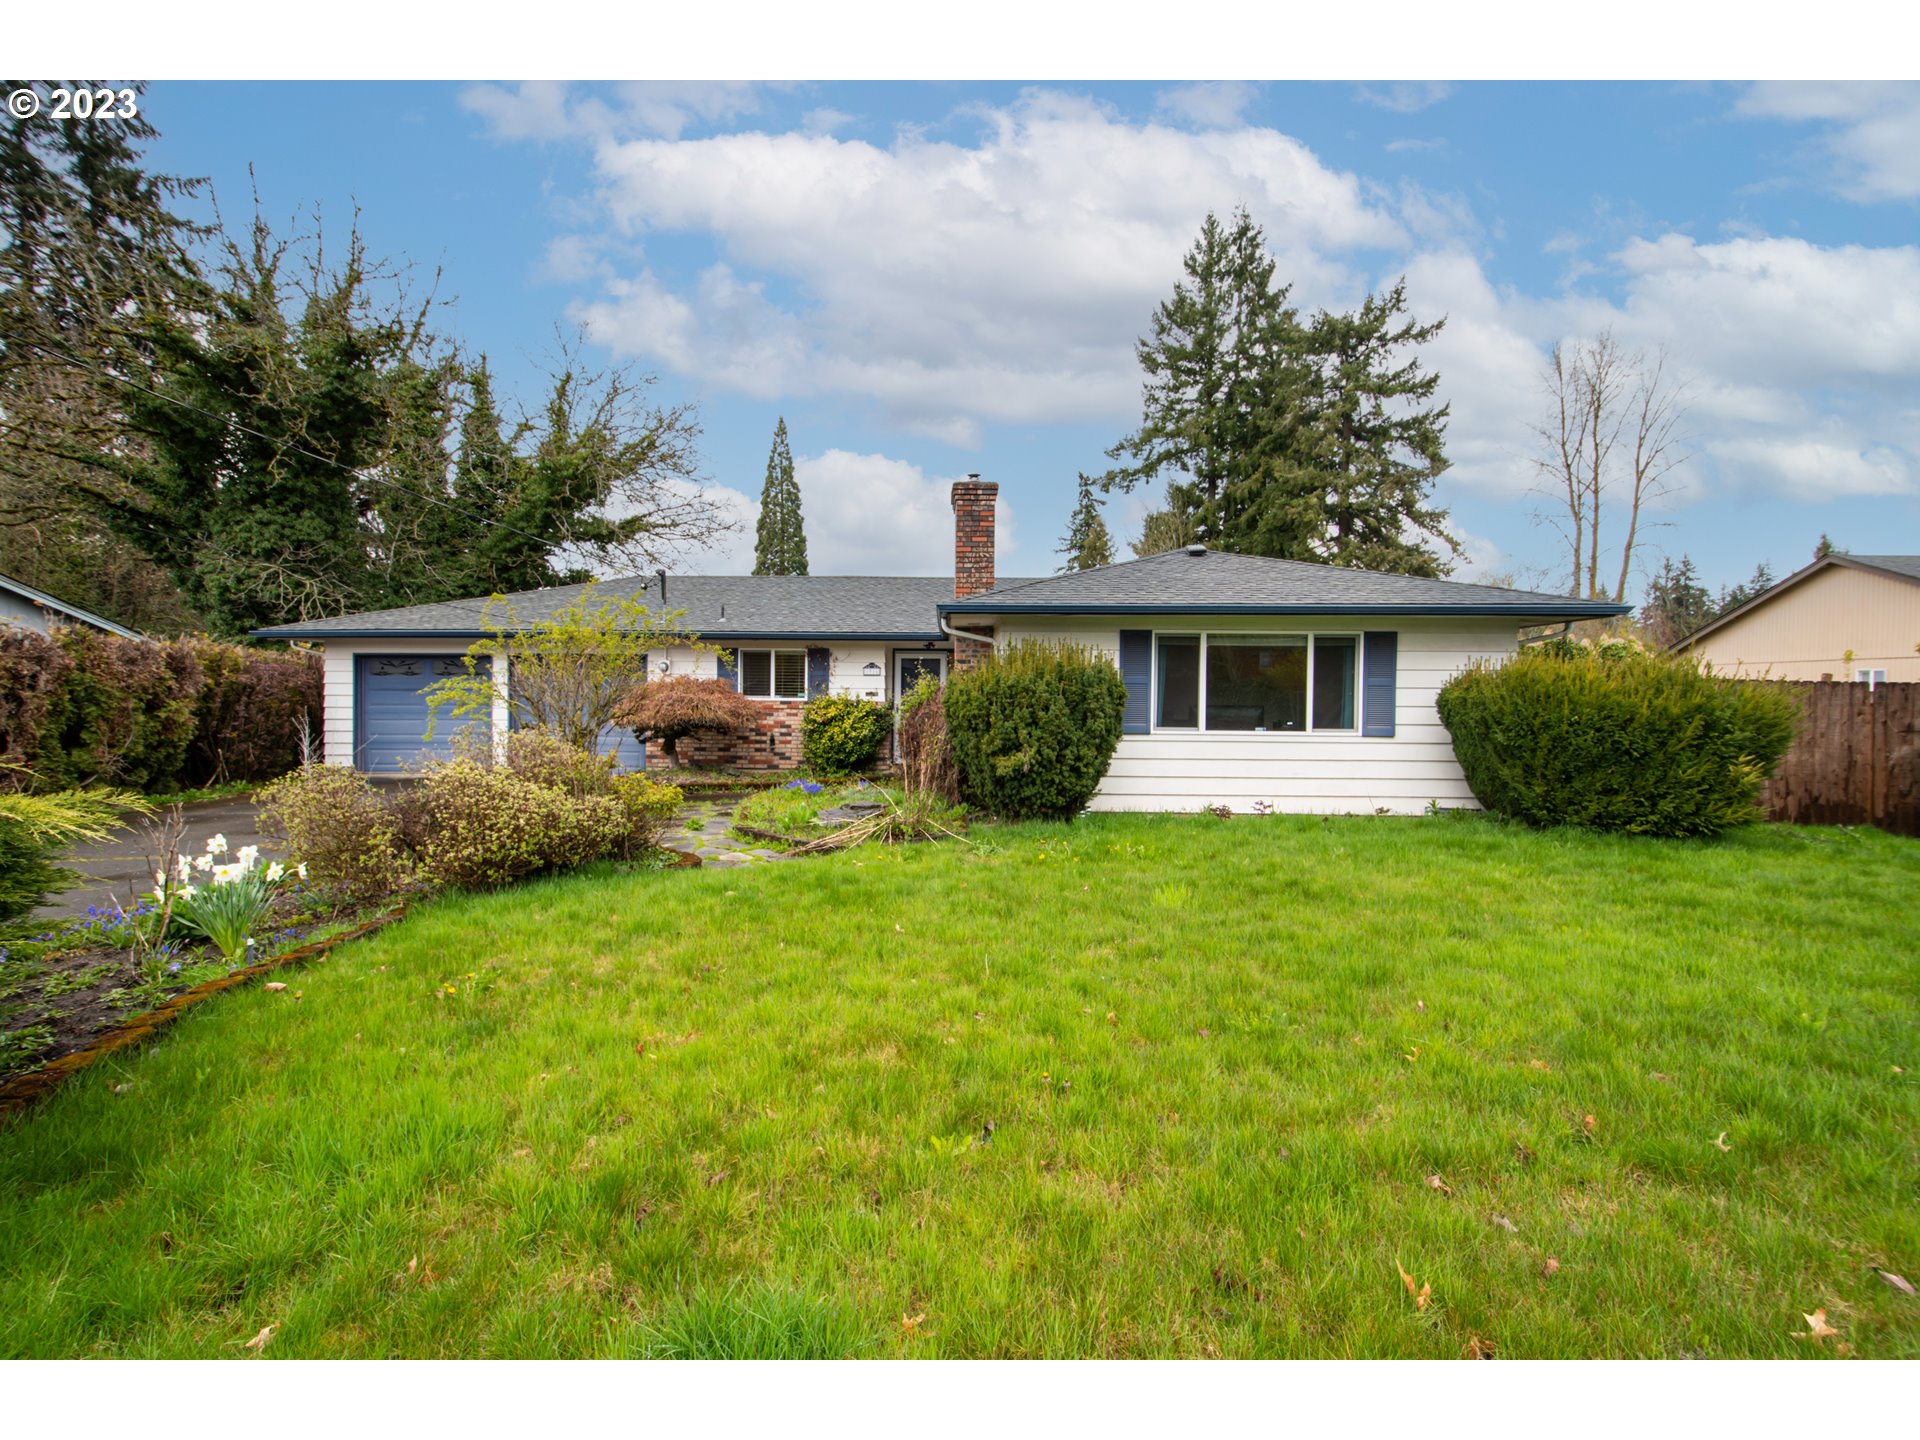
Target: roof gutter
pixel 986 640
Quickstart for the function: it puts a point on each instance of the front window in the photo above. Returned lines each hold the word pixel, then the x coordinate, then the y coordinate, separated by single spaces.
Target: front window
pixel 1262 684
pixel 774 674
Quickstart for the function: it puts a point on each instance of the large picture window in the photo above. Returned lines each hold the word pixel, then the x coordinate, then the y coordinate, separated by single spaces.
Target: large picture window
pixel 1264 684
pixel 774 674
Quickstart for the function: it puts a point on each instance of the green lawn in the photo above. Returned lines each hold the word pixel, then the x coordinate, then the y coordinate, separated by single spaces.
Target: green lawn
pixel 746 1112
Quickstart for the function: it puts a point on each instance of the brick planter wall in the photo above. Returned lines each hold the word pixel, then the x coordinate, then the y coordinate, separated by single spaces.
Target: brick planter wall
pixel 773 744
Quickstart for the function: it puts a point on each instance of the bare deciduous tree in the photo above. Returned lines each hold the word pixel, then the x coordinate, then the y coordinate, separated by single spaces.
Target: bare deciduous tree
pixel 1609 446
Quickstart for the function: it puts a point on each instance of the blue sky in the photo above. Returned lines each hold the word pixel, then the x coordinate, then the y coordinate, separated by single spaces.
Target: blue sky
pixel 934 278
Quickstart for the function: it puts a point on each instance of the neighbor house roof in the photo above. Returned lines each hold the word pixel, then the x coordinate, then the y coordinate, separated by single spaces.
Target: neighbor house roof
pixel 45 601
pixel 1899 567
pixel 1196 580
pixel 758 607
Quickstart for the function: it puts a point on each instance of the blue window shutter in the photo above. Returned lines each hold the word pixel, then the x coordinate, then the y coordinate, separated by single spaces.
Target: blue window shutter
pixel 728 663
pixel 1136 668
pixel 1377 687
pixel 817 666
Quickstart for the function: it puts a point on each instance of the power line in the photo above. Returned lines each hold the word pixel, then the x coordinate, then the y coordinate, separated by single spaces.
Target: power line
pixel 80 362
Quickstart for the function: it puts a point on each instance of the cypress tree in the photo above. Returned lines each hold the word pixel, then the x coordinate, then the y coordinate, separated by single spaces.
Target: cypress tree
pixel 780 544
pixel 1087 543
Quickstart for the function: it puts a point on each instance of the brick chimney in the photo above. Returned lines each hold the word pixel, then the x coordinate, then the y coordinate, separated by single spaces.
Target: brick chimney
pixel 973 536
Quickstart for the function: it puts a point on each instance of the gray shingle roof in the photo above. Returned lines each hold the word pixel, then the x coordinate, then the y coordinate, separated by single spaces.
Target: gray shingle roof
pixel 1213 581
pixel 847 607
pixel 1907 565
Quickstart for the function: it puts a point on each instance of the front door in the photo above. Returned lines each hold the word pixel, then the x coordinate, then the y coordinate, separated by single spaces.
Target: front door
pixel 910 669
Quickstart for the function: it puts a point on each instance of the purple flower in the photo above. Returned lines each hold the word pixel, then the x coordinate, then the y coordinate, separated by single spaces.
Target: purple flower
pixel 174 969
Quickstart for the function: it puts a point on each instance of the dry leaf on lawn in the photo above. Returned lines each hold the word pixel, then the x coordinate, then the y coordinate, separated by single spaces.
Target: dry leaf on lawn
pixel 1477 1349
pixel 1420 1296
pixel 259 1342
pixel 275 985
pixel 1721 1143
pixel 1507 1225
pixel 1899 1282
pixel 1552 1267
pixel 1817 1327
pixel 1434 1182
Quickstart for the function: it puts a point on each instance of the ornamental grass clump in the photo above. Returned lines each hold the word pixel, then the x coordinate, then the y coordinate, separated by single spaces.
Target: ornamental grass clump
pixel 1034 727
pixel 1616 738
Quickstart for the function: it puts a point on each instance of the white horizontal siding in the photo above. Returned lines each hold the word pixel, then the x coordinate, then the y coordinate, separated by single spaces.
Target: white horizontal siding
pixel 1310 773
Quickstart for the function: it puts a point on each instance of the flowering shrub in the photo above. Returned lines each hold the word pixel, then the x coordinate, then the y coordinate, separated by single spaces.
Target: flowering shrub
pixel 343 828
pixel 223 904
pixel 482 827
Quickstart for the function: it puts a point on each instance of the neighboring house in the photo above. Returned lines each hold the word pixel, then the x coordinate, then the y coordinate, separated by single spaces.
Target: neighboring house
pixel 1844 617
pixel 32 609
pixel 1250 680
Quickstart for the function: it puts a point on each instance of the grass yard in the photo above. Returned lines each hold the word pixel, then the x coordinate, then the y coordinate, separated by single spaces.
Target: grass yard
pixel 1138 1086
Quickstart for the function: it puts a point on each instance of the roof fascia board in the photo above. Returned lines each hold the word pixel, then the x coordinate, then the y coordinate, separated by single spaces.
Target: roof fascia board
pixel 1571 610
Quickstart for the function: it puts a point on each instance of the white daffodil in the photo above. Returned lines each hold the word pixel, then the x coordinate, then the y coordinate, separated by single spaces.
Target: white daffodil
pixel 203 863
pixel 248 854
pixel 225 874
pixel 159 877
pixel 301 869
pixel 217 845
pixel 274 871
pixel 184 869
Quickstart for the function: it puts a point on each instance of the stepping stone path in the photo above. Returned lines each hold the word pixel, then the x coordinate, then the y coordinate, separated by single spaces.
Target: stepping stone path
pixel 705 828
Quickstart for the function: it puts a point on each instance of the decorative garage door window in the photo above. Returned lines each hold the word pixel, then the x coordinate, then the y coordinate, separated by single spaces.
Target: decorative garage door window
pixel 391 714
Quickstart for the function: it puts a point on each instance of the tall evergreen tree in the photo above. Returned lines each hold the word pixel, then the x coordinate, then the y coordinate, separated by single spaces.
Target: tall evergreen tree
pixel 1161 531
pixel 1308 441
pixel 1087 543
pixel 91 247
pixel 1676 604
pixel 780 544
pixel 1377 441
pixel 1227 384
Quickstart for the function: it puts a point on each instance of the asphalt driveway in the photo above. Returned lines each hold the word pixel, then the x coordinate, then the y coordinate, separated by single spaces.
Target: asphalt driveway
pixel 122 866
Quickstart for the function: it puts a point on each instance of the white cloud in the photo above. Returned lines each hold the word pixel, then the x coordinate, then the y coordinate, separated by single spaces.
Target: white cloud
pixel 1212 104
pixel 1415 146
pixel 552 110
pixel 1404 96
pixel 865 515
pixel 954 284
pixel 1798 361
pixel 1872 134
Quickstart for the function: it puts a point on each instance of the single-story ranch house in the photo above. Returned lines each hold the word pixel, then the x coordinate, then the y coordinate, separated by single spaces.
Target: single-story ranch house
pixel 1306 687
pixel 1844 617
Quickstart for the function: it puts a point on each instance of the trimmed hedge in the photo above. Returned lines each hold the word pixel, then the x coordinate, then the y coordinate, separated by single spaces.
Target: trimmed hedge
pixel 841 734
pixel 1616 739
pixel 81 708
pixel 1034 727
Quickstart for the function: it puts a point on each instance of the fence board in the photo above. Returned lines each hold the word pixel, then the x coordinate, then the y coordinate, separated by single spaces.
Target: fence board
pixel 1857 760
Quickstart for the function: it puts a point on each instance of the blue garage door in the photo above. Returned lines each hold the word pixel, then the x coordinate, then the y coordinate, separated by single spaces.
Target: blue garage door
pixel 391 714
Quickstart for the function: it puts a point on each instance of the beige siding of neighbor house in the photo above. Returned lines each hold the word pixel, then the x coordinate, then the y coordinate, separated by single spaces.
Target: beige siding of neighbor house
pixel 1301 773
pixel 1804 632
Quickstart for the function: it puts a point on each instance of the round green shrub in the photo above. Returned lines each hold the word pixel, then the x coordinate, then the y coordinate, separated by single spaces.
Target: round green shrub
pixel 842 734
pixel 1034 727
pixel 1616 739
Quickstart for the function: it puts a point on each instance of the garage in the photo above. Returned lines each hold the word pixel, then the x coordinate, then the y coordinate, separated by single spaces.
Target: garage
pixel 391 712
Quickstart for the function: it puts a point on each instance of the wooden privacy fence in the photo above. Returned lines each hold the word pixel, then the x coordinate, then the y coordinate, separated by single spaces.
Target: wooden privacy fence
pixel 1857 761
